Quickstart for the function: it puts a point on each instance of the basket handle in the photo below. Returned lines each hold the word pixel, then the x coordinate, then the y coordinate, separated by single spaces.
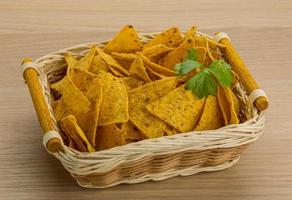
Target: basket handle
pixel 252 87
pixel 30 74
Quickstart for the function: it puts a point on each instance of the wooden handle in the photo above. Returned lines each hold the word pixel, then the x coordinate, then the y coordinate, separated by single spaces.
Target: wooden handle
pixel 42 110
pixel 242 71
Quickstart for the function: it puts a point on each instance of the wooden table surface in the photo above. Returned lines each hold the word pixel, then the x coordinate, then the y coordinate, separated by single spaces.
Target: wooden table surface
pixel 261 31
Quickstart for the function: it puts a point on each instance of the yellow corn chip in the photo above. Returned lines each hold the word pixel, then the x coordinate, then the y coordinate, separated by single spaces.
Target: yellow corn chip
pixel 138 70
pixel 154 75
pixel 126 41
pixel 88 121
pixel 179 108
pixel 131 83
pixel 60 110
pixel 155 67
pixel 227 105
pixel 131 132
pixel 170 131
pixel 74 100
pixel 171 38
pixel 149 125
pixel 178 54
pixel 86 61
pixel 108 137
pixel 202 54
pixel 191 33
pixel 98 65
pixel 114 107
pixel 212 116
pixel 70 60
pixel 72 130
pixel 154 53
pixel 124 59
pixel 112 63
pixel 82 79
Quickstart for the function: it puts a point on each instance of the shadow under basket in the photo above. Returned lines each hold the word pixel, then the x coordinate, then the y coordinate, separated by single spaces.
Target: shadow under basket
pixel 151 159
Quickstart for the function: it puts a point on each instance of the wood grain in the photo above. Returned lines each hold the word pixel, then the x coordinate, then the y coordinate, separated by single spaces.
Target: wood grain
pixel 260 30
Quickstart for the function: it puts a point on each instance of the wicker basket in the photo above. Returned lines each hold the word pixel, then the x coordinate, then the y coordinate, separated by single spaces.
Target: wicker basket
pixel 152 159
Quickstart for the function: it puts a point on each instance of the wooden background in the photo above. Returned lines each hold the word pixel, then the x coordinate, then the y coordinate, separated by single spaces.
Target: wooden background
pixel 261 30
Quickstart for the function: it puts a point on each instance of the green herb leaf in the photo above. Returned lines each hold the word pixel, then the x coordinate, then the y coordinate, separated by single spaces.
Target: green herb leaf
pixel 192 54
pixel 186 66
pixel 222 71
pixel 202 84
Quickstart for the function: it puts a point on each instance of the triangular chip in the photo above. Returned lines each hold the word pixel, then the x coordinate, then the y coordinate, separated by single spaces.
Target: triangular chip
pixel 88 121
pixel 178 54
pixel 212 116
pixel 124 59
pixel 155 67
pixel 72 130
pixel 114 107
pixel 170 131
pixel 138 70
pixel 85 62
pixel 113 65
pixel 154 53
pixel 179 108
pixel 227 105
pixel 131 132
pixel 108 137
pixel 131 83
pixel 98 65
pixel 74 100
pixel 191 33
pixel 60 110
pixel 70 60
pixel 125 41
pixel 149 125
pixel 171 38
pixel 154 75
pixel 82 79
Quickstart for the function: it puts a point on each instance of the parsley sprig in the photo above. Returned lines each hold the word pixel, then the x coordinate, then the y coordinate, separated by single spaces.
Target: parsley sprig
pixel 206 81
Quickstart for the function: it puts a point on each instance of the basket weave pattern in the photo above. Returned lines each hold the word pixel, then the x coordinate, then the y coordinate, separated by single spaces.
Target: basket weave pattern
pixel 152 159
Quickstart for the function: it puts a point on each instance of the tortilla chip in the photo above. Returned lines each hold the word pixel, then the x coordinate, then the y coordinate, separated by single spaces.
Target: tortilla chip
pixel 149 125
pixel 72 130
pixel 138 70
pixel 113 65
pixel 212 116
pixel 88 121
pixel 179 108
pixel 178 54
pixel 124 59
pixel 154 53
pixel 108 137
pixel 191 33
pixel 202 54
pixel 131 132
pixel 171 38
pixel 154 76
pixel 86 61
pixel 98 65
pixel 131 83
pixel 70 60
pixel 60 110
pixel 114 107
pixel 82 79
pixel 227 105
pixel 125 41
pixel 214 54
pixel 74 100
pixel 170 131
pixel 155 67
